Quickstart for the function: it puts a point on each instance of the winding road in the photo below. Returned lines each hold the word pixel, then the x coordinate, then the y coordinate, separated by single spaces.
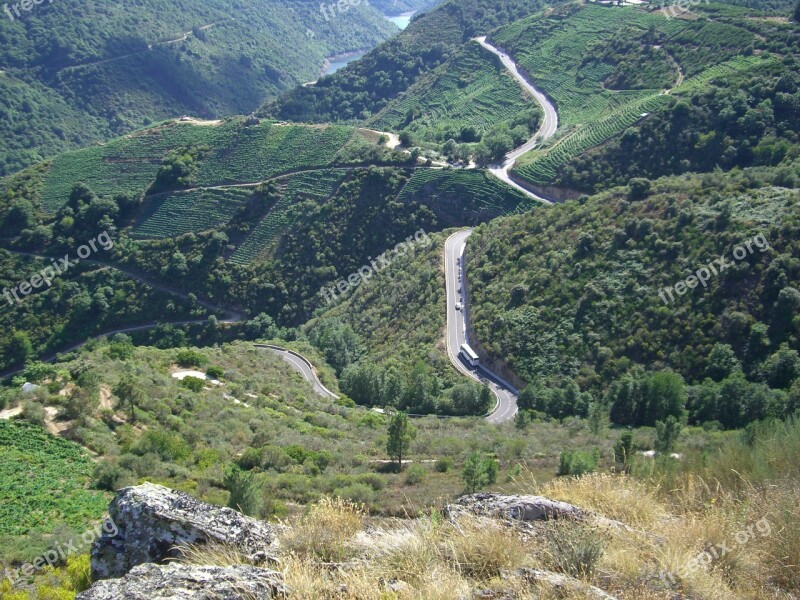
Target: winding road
pixel 303 366
pixel 456 334
pixel 546 130
pixel 230 315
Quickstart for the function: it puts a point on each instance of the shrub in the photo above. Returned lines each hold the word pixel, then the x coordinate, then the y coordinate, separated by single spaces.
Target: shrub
pixel 245 493
pixel 415 474
pixel 479 472
pixel 444 465
pixel 215 372
pixel 359 493
pixel 578 462
pixel 373 480
pixel 190 358
pixel 194 384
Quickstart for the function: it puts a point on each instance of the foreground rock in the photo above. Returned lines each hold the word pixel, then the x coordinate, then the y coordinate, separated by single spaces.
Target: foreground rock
pixel 152 520
pixel 515 507
pixel 189 582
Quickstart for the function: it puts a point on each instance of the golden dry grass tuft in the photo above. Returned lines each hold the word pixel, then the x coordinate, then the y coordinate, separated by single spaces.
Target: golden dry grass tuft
pixel 326 531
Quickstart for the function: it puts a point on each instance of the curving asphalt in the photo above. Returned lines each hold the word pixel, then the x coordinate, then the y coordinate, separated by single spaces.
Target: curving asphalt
pixel 546 130
pixel 303 366
pixel 506 395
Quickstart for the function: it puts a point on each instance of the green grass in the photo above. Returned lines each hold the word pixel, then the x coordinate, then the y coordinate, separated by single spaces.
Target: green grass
pixel 313 185
pixel 471 89
pixel 43 481
pixel 177 213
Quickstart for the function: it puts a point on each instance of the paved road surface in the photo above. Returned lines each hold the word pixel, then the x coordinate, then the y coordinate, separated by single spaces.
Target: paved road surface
pixel 302 366
pixel 456 332
pixel 547 129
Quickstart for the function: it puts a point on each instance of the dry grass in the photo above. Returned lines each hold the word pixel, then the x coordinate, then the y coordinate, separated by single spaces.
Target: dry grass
pixel 326 531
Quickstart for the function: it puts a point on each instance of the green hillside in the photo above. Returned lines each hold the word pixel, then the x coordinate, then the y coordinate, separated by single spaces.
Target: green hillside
pixel 579 296
pixel 74 73
pixel 607 68
pixel 367 85
pixel 227 153
pixel 464 98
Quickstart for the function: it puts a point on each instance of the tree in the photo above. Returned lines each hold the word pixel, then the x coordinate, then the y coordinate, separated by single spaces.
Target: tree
pixel 796 14
pixel 639 188
pixel 128 391
pixel 245 494
pixel 623 449
pixel 722 362
pixel 19 349
pixel 597 417
pixel 667 434
pixel 479 471
pixel 401 432
pixel 405 139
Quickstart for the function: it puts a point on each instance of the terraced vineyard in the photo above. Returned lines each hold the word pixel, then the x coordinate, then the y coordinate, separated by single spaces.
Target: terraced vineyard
pixel 260 153
pixel 540 167
pixel 127 165
pixel 237 154
pixel 472 88
pixel 313 185
pixel 43 481
pixel 465 191
pixel 174 214
pixel 560 55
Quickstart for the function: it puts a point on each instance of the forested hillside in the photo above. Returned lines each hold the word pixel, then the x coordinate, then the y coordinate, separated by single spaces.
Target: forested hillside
pixel 259 216
pixel 694 279
pixel 77 72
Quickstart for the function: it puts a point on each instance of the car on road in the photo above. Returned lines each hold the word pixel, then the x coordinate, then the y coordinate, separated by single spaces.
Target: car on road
pixel 458 305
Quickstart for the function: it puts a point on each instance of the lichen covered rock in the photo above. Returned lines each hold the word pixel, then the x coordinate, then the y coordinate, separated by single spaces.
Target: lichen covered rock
pixel 189 582
pixel 152 520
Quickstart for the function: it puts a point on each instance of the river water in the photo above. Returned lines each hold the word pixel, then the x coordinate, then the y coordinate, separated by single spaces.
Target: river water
pixel 401 21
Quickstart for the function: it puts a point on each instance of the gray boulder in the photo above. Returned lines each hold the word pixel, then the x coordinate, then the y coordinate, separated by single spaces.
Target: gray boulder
pixel 152 520
pixel 515 507
pixel 189 582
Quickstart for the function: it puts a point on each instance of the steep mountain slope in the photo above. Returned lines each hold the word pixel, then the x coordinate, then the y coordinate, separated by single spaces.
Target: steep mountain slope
pixel 698 274
pixel 259 216
pixel 73 73
pixel 367 85
pixel 607 68
pixel 463 99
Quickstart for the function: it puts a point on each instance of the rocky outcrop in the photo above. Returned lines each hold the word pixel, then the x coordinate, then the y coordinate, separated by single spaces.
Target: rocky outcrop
pixel 515 507
pixel 189 582
pixel 563 584
pixel 151 521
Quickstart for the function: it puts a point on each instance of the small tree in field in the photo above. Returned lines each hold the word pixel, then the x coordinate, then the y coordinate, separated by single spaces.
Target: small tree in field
pixel 129 392
pixel 667 434
pixel 401 432
pixel 479 471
